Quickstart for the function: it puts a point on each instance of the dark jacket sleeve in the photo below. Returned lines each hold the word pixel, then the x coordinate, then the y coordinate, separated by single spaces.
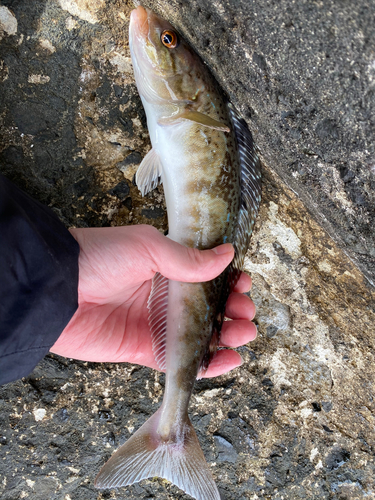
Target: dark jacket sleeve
pixel 38 281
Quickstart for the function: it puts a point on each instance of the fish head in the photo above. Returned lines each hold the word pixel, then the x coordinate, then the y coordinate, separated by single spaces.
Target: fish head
pixel 165 66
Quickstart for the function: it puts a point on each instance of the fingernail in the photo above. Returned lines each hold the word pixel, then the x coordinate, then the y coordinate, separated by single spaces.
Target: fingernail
pixel 222 249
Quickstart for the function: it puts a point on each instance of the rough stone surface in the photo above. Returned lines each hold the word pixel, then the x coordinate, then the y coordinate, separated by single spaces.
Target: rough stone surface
pixel 71 118
pixel 296 420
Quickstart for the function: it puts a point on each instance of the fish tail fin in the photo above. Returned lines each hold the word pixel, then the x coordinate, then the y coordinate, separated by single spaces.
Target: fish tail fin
pixel 180 460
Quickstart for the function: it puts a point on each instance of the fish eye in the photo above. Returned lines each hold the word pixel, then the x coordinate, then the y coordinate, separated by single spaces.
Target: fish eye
pixel 169 39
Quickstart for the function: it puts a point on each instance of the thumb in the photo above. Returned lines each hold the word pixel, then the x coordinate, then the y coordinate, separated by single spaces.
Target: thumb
pixel 179 263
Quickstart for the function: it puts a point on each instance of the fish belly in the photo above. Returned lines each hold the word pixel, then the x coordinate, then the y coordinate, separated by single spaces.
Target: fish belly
pixel 196 185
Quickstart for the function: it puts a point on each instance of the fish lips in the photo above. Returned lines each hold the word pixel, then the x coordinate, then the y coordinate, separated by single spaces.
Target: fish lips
pixel 139 21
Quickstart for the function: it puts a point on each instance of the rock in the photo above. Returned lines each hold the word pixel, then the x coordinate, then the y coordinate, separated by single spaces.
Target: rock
pixel 296 419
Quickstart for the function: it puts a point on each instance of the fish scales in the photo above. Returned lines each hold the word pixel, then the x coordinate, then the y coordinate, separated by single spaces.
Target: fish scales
pixel 203 153
pixel 211 189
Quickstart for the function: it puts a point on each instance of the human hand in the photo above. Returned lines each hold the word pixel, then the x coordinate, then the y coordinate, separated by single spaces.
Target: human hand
pixel 116 267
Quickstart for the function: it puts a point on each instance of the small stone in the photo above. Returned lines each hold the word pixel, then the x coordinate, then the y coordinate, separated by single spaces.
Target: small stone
pixel 271 331
pixel 327 129
pixel 110 439
pixel 30 483
pixel 8 22
pixel 39 414
pixel 327 406
pixel 337 458
pixel 70 23
pixel 267 382
pixel 121 190
pixel 38 79
pixel 105 415
pixel 153 213
pixel 129 166
pixel 226 452
pixel 62 415
pixel 47 45
pixel 316 406
pixel 83 9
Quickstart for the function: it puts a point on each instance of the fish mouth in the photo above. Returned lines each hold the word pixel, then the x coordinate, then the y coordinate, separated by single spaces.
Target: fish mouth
pixel 143 53
pixel 139 21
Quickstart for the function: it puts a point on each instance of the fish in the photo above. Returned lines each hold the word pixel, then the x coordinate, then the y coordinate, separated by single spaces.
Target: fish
pixel 205 156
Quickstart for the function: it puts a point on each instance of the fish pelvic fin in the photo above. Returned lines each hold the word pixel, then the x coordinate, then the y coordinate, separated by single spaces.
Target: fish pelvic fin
pixel 179 459
pixel 149 172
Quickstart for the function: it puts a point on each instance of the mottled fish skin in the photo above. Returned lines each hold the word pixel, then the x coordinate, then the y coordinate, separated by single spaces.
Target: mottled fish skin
pixel 204 154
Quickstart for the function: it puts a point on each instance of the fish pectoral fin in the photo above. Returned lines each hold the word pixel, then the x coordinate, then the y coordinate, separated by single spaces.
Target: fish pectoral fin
pixel 145 455
pixel 149 172
pixel 194 116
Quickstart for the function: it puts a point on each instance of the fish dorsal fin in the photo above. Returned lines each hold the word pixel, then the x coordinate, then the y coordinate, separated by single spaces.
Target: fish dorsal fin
pixel 194 116
pixel 149 172
pixel 250 188
pixel 250 180
pixel 157 317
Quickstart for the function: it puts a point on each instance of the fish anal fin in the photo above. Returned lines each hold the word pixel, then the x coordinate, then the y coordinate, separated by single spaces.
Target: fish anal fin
pixel 157 308
pixel 149 172
pixel 194 116
pixel 179 460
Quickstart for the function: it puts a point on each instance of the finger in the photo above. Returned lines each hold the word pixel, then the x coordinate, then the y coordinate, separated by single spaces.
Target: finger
pixel 239 306
pixel 223 362
pixel 243 284
pixel 237 332
pixel 179 263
